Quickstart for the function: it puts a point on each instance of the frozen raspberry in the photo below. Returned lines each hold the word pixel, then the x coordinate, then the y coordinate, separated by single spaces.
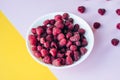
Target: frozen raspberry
pixel 71 20
pixel 47 59
pixel 69 60
pixel 78 43
pixel 49 30
pixel 75 37
pixel 39 48
pixel 81 31
pixel 65 16
pixel 84 42
pixel 60 55
pixel 57 62
pixel 63 50
pixel 115 42
pixel 47 44
pixel 81 9
pixel 42 40
pixel 52 21
pixel 76 27
pixel 34 48
pixel 56 31
pixel 31 37
pixel 37 54
pixel 58 17
pixel 54 45
pixel 118 11
pixel 53 52
pixel 68 35
pixel 73 47
pixel 46 22
pixel 96 25
pixel 76 55
pixel 44 52
pixel 69 43
pixel 63 42
pixel 70 26
pixel 101 11
pixel 39 31
pixel 49 38
pixel 118 26
pixel 33 41
pixel 60 36
pixel 33 30
pixel 67 23
pixel 83 50
pixel 69 53
pixel 63 61
pixel 59 24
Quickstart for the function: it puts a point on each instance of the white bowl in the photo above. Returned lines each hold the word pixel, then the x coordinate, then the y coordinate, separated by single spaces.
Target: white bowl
pixel 83 24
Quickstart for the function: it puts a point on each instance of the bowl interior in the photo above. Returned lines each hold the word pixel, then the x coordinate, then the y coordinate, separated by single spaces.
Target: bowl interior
pixel 89 36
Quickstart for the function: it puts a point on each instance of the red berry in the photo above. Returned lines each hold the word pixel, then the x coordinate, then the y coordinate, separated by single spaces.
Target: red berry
pixel 39 48
pixel 75 37
pixel 96 25
pixel 59 24
pixel 81 31
pixel 69 53
pixel 81 9
pixel 39 31
pixel 31 37
pixel 46 22
pixel 65 16
pixel 33 41
pixel 60 36
pixel 49 38
pixel 68 35
pixel 54 44
pixel 56 31
pixel 47 44
pixel 115 42
pixel 63 42
pixel 83 50
pixel 34 48
pixel 73 47
pixel 84 42
pixel 44 52
pixel 53 52
pixel 49 30
pixel 118 11
pixel 71 20
pixel 76 27
pixel 60 55
pixel 52 21
pixel 76 55
pixel 47 59
pixel 69 43
pixel 57 62
pixel 69 60
pixel 118 26
pixel 78 43
pixel 33 30
pixel 70 26
pixel 37 54
pixel 42 40
pixel 101 11
pixel 58 17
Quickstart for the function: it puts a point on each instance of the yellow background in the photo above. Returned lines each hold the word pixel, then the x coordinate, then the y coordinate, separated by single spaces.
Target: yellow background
pixel 15 61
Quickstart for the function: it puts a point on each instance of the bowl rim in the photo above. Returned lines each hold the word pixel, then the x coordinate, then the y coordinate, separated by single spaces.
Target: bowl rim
pixel 49 65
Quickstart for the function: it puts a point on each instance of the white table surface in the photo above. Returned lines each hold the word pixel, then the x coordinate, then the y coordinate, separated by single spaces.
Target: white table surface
pixel 104 61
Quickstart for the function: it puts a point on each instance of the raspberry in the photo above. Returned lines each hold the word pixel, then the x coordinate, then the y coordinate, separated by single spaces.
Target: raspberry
pixel 83 50
pixel 39 48
pixel 58 17
pixel 57 62
pixel 62 61
pixel 69 53
pixel 49 38
pixel 118 11
pixel 118 26
pixel 31 37
pixel 101 11
pixel 54 45
pixel 68 35
pixel 65 16
pixel 115 42
pixel 44 52
pixel 59 24
pixel 52 21
pixel 75 37
pixel 63 42
pixel 70 26
pixel 60 55
pixel 33 30
pixel 46 22
pixel 77 43
pixel 47 59
pixel 81 9
pixel 60 36
pixel 76 27
pixel 71 20
pixel 34 48
pixel 42 40
pixel 69 43
pixel 33 41
pixel 37 54
pixel 53 52
pixel 96 25
pixel 81 31
pixel 47 44
pixel 69 60
pixel 76 55
pixel 56 31
pixel 49 30
pixel 84 42
pixel 39 31
pixel 73 47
